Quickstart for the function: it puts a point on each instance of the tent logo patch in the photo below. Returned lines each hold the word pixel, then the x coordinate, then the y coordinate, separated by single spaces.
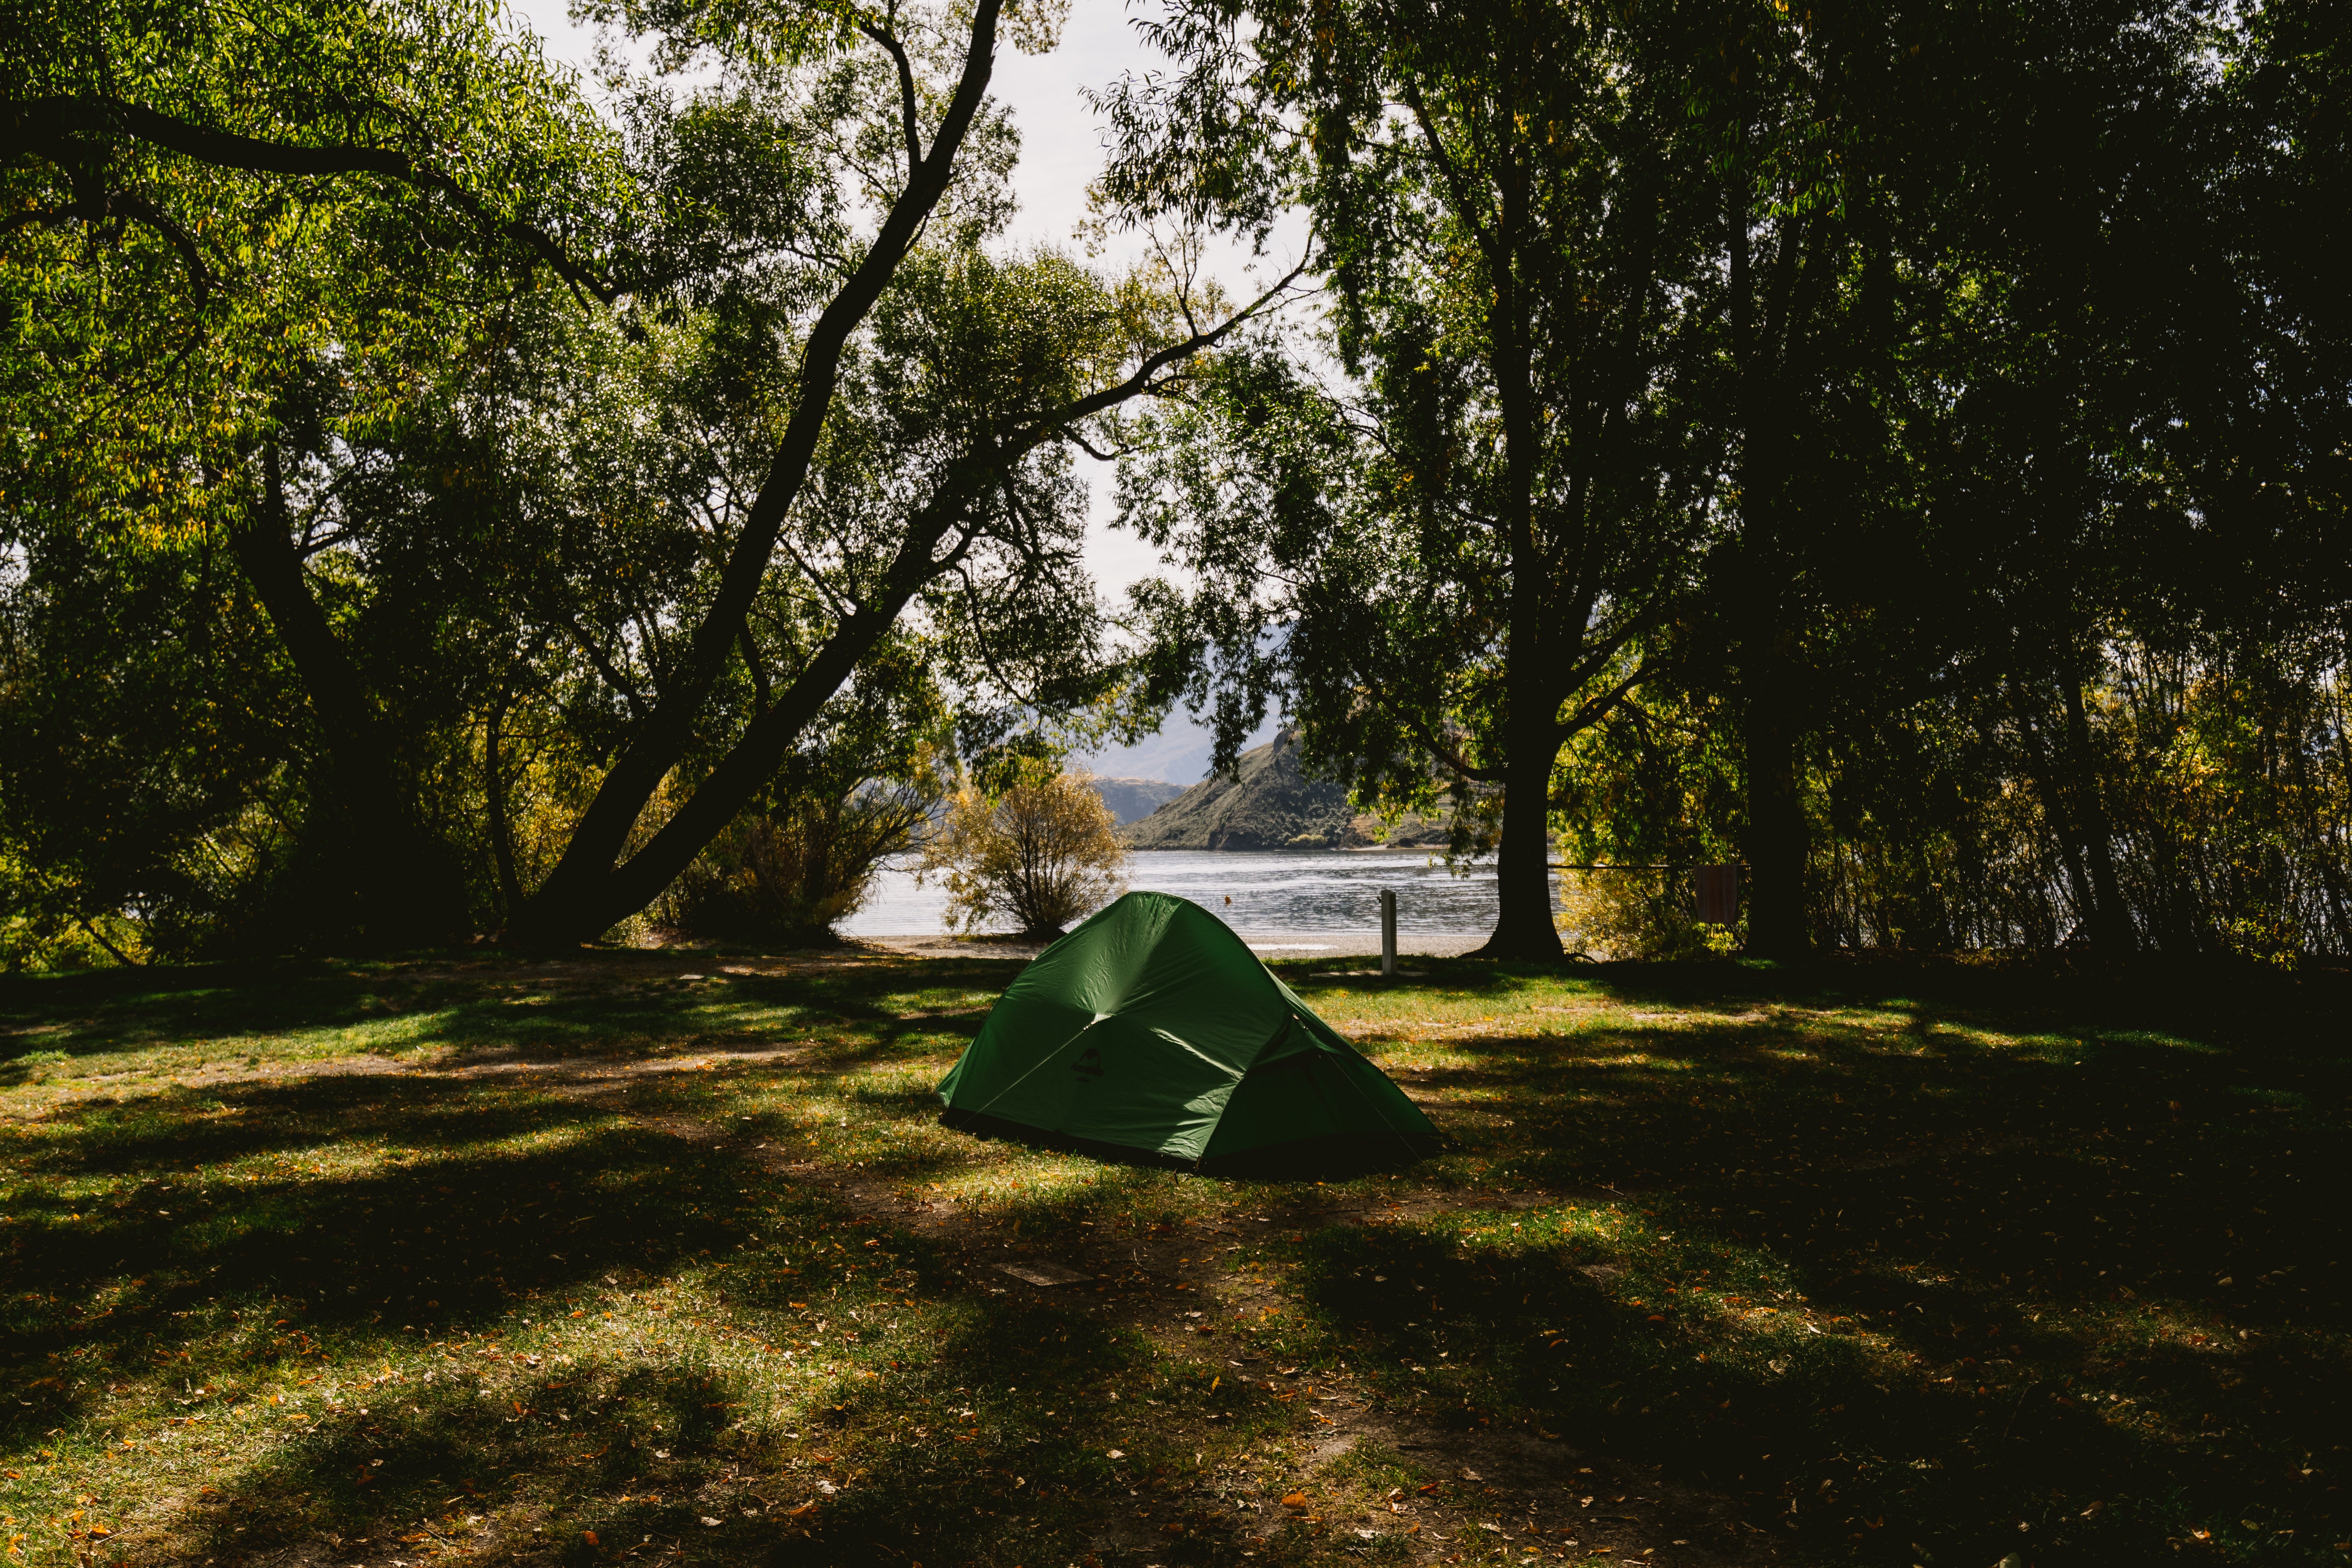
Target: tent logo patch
pixel 1090 1065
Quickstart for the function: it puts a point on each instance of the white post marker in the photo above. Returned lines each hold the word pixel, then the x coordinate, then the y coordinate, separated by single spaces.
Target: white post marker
pixel 1388 930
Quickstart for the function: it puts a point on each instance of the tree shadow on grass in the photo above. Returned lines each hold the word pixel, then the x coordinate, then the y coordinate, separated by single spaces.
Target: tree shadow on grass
pixel 2034 1246
pixel 1934 1172
pixel 611 1003
pixel 923 1458
pixel 490 1197
pixel 502 1201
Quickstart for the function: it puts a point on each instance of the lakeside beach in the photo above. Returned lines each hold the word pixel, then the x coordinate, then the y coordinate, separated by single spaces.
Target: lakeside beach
pixel 1297 903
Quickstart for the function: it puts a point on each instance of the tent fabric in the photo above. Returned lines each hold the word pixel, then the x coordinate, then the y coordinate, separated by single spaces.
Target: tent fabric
pixel 1153 1031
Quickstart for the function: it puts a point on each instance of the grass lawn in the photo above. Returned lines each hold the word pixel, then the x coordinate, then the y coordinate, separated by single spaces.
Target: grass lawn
pixel 664 1257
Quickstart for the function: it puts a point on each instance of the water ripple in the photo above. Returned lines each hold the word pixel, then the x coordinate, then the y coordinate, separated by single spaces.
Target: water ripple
pixel 1282 892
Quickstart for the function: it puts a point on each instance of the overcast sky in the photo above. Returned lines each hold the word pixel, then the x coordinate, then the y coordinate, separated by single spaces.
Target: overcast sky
pixel 1061 153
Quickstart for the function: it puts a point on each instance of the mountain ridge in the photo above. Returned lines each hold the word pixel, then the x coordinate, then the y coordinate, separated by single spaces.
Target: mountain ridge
pixel 1131 799
pixel 1270 803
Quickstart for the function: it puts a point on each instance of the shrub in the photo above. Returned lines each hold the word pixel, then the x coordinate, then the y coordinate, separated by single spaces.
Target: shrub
pixel 1637 914
pixel 1042 854
pixel 789 873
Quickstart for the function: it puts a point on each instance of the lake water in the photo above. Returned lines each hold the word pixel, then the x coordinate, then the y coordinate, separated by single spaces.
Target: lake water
pixel 1281 893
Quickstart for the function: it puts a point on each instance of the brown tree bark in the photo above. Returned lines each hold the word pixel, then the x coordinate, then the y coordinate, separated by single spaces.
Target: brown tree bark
pixel 1777 844
pixel 399 880
pixel 1523 923
pixel 2112 932
pixel 1769 703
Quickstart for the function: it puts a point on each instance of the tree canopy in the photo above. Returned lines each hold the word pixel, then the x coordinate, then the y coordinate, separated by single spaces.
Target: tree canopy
pixel 1902 453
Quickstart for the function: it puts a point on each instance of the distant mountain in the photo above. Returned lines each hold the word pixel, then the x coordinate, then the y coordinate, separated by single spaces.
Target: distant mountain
pixel 1273 804
pixel 1132 798
pixel 1179 750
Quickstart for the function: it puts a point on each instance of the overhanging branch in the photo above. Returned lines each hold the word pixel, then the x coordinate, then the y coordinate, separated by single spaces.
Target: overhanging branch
pixel 75 134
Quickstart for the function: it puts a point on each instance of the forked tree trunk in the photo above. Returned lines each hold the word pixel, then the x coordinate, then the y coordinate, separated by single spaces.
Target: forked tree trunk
pixel 401 885
pixel 598 880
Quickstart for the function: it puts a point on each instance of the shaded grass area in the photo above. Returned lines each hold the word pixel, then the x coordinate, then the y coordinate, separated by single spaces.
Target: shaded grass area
pixel 1910 1265
pixel 1935 1269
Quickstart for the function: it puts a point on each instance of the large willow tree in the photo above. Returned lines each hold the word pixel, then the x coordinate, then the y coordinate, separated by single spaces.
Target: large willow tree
pixel 1443 550
pixel 688 441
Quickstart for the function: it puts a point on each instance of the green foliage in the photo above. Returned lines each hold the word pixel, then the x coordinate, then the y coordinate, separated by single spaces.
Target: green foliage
pixel 381 574
pixel 1637 914
pixel 1461 540
pixel 1980 493
pixel 1043 853
pixel 1901 452
pixel 789 874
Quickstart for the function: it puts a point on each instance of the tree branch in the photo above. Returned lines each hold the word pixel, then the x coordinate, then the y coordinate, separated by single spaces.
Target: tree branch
pixel 127 205
pixel 1153 363
pixel 756 664
pixel 1454 181
pixel 1598 708
pixel 909 123
pixel 1449 756
pixel 63 131
pixel 605 668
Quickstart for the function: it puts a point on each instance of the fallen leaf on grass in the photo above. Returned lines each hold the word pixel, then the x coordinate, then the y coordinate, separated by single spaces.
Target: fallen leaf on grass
pixel 1295 1500
pixel 801 1512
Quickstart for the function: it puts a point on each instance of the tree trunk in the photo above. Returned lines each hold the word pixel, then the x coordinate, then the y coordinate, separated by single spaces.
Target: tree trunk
pixel 2111 923
pixel 1776 846
pixel 2053 806
pixel 1522 923
pixel 564 914
pixel 501 828
pixel 400 882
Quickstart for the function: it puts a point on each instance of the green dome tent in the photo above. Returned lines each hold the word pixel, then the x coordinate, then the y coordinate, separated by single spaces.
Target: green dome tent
pixel 1151 1031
